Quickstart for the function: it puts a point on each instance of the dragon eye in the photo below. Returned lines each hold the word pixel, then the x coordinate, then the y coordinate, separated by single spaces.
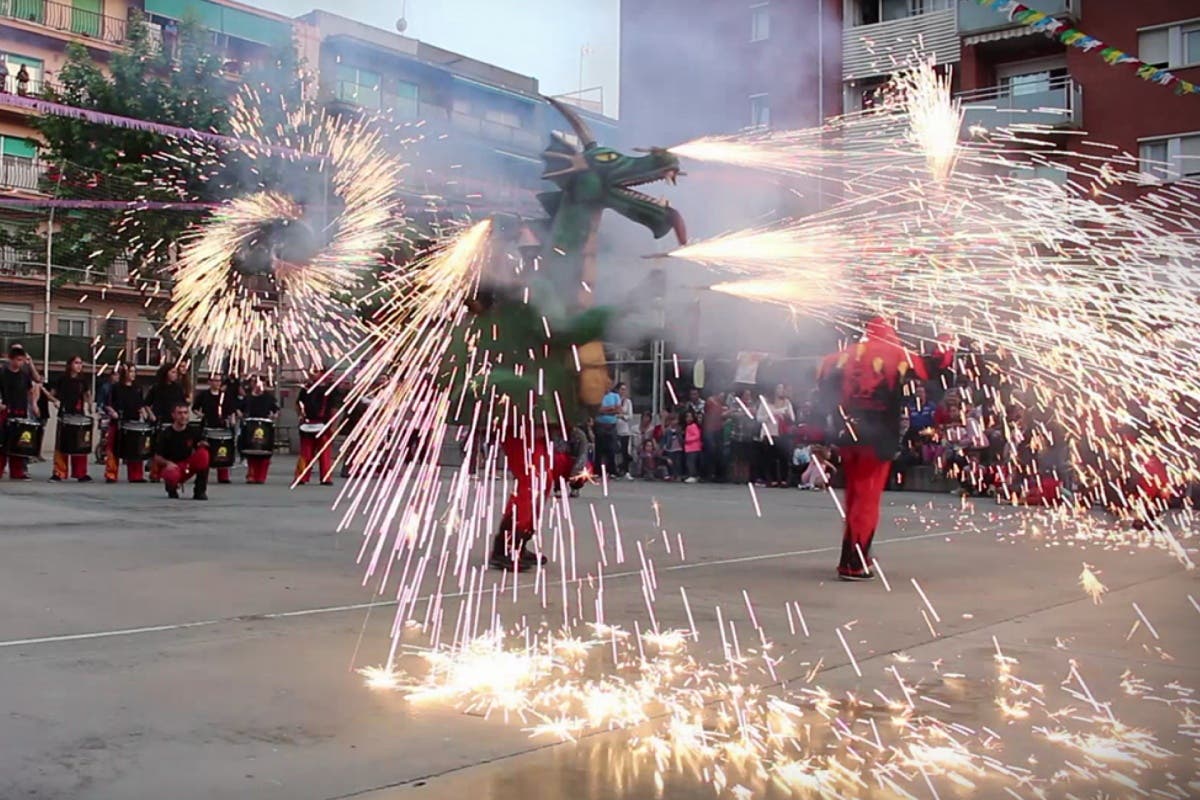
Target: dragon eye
pixel 604 158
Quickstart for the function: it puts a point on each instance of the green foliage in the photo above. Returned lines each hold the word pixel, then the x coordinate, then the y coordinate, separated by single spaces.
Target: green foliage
pixel 179 84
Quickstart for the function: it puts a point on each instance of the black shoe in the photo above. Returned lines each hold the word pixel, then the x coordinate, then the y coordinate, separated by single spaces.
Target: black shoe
pixel 173 492
pixel 55 479
pixel 855 575
pixel 85 479
pixel 200 488
pixel 110 480
pixel 198 495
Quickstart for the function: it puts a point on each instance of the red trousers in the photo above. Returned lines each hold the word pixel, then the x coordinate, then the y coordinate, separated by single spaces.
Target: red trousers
pixel 309 445
pixel 175 474
pixel 79 465
pixel 256 469
pixel 535 472
pixel 112 465
pixel 866 476
pixel 17 465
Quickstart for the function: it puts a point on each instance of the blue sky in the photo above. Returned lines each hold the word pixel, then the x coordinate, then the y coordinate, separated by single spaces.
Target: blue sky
pixel 541 38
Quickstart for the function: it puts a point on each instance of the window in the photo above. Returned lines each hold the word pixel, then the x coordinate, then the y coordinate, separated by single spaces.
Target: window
pixel 1171 46
pixel 147 351
pixel 760 111
pixel 1191 44
pixel 358 86
pixel 406 103
pixel 509 118
pixel 73 323
pixel 461 106
pixel 760 22
pixel 1170 158
pixel 15 320
pixel 35 68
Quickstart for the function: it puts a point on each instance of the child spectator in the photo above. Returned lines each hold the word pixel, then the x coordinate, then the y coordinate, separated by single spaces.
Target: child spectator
pixel 693 444
pixel 650 464
pixel 672 446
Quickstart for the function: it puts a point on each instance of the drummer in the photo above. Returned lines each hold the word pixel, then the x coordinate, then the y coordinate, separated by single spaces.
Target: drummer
pixel 181 453
pixel 167 392
pixel 214 412
pixel 259 404
pixel 18 398
pixel 73 396
pixel 125 404
pixel 316 405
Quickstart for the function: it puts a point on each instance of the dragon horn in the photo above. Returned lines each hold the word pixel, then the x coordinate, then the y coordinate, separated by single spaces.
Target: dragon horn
pixel 577 124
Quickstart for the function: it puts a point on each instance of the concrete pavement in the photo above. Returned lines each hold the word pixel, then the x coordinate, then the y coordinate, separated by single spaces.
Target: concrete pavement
pixel 205 650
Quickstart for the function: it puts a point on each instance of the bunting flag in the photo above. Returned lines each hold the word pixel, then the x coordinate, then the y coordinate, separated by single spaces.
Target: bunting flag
pixel 1057 29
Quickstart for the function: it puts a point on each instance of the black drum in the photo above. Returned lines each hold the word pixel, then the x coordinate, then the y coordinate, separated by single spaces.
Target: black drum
pixel 136 441
pixel 23 437
pixel 220 447
pixel 74 435
pixel 196 426
pixel 258 437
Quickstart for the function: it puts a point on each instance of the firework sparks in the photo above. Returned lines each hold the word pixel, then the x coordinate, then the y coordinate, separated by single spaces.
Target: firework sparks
pixel 1092 585
pixel 299 304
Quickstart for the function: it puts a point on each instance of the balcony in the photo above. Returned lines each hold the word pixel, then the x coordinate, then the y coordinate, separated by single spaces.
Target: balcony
pixel 66 19
pixel 975 19
pixel 882 48
pixel 20 173
pixel 1056 104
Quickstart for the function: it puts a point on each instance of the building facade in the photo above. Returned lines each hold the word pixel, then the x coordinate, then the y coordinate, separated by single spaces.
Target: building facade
pixel 693 68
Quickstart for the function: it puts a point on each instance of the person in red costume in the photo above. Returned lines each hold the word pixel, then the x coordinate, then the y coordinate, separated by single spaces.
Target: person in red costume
pixel 863 386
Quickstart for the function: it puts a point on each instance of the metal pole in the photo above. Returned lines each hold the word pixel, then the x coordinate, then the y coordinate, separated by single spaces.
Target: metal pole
pixel 46 310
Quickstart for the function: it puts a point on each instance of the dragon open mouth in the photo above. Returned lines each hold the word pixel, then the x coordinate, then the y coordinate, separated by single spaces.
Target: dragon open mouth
pixel 625 188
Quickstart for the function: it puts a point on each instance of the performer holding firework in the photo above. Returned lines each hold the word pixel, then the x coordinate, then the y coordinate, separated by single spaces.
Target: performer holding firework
pixel 531 352
pixel 863 386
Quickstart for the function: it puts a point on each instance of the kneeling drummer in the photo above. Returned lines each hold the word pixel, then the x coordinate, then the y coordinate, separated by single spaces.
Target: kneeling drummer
pixel 182 452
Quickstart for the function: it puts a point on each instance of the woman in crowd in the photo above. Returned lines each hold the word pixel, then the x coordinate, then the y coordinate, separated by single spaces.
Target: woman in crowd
pixel 743 431
pixel 776 419
pixel 125 404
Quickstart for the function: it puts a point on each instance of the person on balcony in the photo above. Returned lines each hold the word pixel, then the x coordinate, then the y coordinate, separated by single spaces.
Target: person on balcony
pixel 23 81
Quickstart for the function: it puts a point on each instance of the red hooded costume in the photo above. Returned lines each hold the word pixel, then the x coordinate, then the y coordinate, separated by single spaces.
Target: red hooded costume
pixel 863 387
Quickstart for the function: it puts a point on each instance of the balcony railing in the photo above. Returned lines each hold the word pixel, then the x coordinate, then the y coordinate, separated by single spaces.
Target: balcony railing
pixel 974 18
pixel 1056 104
pixel 62 17
pixel 20 173
pixel 879 49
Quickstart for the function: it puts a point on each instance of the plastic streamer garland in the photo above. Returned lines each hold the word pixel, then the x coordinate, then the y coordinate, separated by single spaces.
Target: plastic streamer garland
pixel 1057 29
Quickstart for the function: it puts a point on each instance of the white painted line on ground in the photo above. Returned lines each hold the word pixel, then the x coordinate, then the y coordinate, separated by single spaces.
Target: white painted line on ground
pixel 307 612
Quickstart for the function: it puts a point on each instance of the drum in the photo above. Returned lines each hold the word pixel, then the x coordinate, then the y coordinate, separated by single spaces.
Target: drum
pixel 220 447
pixel 74 435
pixel 258 437
pixel 196 426
pixel 135 441
pixel 23 437
pixel 311 430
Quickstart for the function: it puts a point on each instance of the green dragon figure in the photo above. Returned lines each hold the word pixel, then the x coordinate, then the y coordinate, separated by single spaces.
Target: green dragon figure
pixel 541 340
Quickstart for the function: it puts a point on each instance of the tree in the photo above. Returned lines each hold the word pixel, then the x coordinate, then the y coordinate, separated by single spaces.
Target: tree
pixel 179 84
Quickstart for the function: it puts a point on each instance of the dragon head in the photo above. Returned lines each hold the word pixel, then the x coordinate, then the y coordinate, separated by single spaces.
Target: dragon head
pixel 597 175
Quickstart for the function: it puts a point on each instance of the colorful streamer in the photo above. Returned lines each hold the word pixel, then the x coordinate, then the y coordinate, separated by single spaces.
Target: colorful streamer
pixel 1057 29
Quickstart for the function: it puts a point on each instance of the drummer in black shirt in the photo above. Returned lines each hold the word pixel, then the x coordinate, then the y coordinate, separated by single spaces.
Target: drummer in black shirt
pixel 167 392
pixel 181 453
pixel 316 405
pixel 213 410
pixel 125 404
pixel 259 404
pixel 18 396
pixel 74 396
